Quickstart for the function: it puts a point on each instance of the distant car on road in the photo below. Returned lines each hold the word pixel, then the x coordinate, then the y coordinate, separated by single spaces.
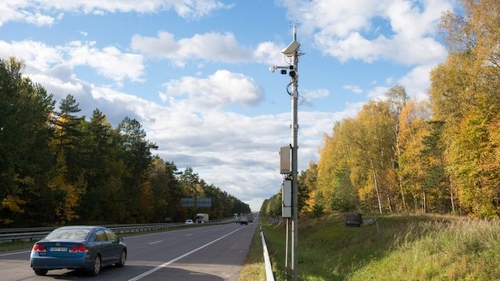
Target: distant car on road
pixel 189 222
pixel 243 220
pixel 85 248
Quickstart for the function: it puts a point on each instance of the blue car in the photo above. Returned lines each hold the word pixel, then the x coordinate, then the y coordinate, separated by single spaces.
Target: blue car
pixel 86 248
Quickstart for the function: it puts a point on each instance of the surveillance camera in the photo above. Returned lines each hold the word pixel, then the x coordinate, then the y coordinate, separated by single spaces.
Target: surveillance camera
pixel 272 68
pixel 291 49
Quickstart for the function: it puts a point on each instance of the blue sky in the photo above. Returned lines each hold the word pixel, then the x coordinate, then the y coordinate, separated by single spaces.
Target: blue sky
pixel 195 73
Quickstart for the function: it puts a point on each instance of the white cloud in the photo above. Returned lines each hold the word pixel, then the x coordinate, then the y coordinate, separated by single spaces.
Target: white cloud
pixel 339 18
pixel 318 94
pixel 118 105
pixel 37 55
pixel 162 46
pixel 60 85
pixel 378 93
pixel 15 10
pixel 399 48
pixel 39 19
pixel 417 81
pixel 416 19
pixel 109 61
pixel 353 88
pixel 216 91
pixel 309 96
pixel 41 12
pixel 268 52
pixel 208 46
pixel 349 29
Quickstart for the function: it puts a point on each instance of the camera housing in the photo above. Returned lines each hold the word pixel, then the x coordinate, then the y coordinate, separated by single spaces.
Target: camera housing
pixel 291 49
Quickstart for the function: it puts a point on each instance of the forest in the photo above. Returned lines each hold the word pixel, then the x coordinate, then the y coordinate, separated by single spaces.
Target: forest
pixel 439 155
pixel 57 167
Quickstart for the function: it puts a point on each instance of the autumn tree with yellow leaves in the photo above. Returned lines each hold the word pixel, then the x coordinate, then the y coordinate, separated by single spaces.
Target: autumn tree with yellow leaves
pixel 465 96
pixel 438 155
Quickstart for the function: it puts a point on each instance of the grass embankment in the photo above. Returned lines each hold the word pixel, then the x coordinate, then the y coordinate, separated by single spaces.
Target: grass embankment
pixel 10 246
pixel 406 248
pixel 254 263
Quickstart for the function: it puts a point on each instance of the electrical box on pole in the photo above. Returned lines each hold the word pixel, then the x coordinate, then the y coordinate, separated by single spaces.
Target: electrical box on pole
pixel 285 160
pixel 286 199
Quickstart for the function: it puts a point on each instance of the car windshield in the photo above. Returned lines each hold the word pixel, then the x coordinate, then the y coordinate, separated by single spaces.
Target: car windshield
pixel 68 234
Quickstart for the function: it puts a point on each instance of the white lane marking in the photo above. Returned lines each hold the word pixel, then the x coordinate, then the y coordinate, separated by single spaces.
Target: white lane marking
pixel 14 253
pixel 155 242
pixel 139 277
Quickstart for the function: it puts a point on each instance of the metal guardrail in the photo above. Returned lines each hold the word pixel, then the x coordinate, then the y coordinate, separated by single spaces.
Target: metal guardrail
pixel 30 234
pixel 36 233
pixel 23 234
pixel 267 260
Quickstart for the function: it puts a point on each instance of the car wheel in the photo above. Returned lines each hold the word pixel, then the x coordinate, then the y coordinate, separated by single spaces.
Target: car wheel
pixel 40 272
pixel 96 268
pixel 123 258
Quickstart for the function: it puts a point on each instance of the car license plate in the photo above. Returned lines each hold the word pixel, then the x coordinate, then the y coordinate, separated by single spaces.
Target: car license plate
pixel 58 249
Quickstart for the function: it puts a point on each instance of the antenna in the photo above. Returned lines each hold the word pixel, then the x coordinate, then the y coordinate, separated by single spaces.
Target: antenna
pixel 295 31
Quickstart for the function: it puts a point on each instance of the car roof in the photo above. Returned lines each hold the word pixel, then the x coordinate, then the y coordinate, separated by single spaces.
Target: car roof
pixel 80 227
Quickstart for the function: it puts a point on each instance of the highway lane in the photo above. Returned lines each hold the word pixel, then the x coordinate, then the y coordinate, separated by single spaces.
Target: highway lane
pixel 208 252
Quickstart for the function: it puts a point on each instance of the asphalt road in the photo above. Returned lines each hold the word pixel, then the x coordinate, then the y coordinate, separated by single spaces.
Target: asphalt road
pixel 208 252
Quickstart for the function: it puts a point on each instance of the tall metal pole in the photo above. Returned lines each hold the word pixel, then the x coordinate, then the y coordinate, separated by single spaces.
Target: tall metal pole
pixel 295 188
pixel 292 51
pixel 287 239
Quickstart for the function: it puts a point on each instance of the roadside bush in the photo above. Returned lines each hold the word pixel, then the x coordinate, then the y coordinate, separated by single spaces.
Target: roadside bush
pixel 317 210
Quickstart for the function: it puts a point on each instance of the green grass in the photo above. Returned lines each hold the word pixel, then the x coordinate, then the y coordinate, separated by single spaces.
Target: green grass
pixel 406 248
pixel 254 263
pixel 9 246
